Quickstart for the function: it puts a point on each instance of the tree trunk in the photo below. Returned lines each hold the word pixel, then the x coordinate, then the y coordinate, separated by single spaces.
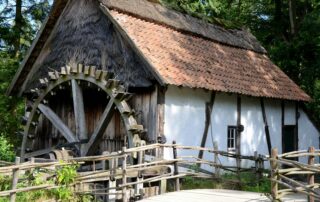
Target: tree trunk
pixel 292 16
pixel 239 8
pixel 18 27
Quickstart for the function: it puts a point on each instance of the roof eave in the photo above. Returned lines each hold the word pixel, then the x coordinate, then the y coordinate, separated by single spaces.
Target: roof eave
pixel 37 44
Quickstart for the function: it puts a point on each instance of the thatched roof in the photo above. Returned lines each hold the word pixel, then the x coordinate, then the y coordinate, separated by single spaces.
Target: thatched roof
pixel 184 51
pixel 161 15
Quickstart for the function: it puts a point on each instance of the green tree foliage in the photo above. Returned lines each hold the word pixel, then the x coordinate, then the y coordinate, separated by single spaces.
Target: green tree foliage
pixel 19 22
pixel 11 108
pixel 288 29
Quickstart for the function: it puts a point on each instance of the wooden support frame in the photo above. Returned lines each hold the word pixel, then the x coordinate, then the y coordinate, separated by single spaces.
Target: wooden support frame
pixel 101 127
pixel 208 112
pixel 266 126
pixel 238 139
pixel 58 123
pixel 78 105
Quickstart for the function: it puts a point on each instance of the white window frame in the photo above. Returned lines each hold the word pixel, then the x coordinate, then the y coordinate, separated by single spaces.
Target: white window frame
pixel 232 138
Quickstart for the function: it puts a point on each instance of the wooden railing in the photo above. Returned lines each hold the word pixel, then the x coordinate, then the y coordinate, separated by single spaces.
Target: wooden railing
pixel 127 171
pixel 285 168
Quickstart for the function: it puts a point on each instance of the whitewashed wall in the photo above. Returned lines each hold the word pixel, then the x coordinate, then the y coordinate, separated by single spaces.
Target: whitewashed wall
pixel 185 121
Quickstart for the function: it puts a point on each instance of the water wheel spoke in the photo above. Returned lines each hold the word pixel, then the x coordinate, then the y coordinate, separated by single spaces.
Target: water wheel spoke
pixel 38 152
pixel 101 127
pixel 78 106
pixel 57 123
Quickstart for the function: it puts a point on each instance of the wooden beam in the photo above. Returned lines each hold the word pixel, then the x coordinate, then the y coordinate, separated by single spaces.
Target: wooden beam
pixel 266 126
pixel 80 119
pixel 57 123
pixel 160 110
pixel 209 108
pixel 101 127
pixel 296 131
pixel 238 139
pixel 38 153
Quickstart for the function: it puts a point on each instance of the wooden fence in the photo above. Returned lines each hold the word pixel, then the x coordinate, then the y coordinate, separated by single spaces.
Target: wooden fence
pixel 125 173
pixel 287 172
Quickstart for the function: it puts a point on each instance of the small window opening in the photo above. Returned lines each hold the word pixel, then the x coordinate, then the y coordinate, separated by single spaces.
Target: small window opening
pixel 232 138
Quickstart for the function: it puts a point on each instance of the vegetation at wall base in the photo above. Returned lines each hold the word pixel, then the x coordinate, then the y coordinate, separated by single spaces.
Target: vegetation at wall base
pixel 228 181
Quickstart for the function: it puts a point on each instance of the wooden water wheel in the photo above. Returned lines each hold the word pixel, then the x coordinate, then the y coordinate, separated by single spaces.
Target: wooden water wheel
pixel 75 81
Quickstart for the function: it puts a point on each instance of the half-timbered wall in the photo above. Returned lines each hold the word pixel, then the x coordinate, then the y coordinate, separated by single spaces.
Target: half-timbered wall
pixel 185 121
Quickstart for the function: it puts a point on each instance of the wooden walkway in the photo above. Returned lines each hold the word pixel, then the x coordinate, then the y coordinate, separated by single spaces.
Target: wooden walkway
pixel 218 195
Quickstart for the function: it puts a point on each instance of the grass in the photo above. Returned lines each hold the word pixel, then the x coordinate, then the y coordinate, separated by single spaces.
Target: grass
pixel 227 181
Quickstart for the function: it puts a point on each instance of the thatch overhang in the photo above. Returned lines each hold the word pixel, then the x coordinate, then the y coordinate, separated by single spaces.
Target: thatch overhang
pixel 184 51
pixel 37 44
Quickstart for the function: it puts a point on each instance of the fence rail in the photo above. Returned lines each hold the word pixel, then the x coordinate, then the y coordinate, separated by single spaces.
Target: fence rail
pixel 126 179
pixel 283 169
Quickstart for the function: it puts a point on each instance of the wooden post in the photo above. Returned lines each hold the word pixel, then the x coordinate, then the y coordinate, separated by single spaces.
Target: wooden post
pixel 311 176
pixel 256 165
pixel 32 161
pixel 274 174
pixel 216 159
pixel 124 175
pixel 113 164
pixel 15 178
pixel 261 166
pixel 176 171
pixel 139 186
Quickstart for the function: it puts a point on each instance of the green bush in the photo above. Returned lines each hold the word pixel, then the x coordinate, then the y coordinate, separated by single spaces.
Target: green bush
pixel 6 149
pixel 64 177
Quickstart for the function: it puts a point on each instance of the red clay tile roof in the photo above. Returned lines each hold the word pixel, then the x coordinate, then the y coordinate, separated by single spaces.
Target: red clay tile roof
pixel 185 60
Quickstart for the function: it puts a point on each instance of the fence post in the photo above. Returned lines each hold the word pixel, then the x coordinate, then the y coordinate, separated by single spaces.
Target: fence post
pixel 216 159
pixel 256 165
pixel 15 178
pixel 274 174
pixel 112 181
pixel 311 176
pixel 124 175
pixel 139 186
pixel 176 171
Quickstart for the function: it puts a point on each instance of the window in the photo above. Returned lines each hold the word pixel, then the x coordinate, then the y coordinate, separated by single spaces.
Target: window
pixel 232 138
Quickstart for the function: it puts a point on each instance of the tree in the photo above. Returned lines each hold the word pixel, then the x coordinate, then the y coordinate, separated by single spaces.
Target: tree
pixel 289 30
pixel 19 21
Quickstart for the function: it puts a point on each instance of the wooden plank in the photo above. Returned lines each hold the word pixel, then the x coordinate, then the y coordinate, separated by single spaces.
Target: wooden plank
pixel 57 123
pixel 78 106
pixel 38 152
pixel 152 122
pixel 266 126
pixel 100 128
